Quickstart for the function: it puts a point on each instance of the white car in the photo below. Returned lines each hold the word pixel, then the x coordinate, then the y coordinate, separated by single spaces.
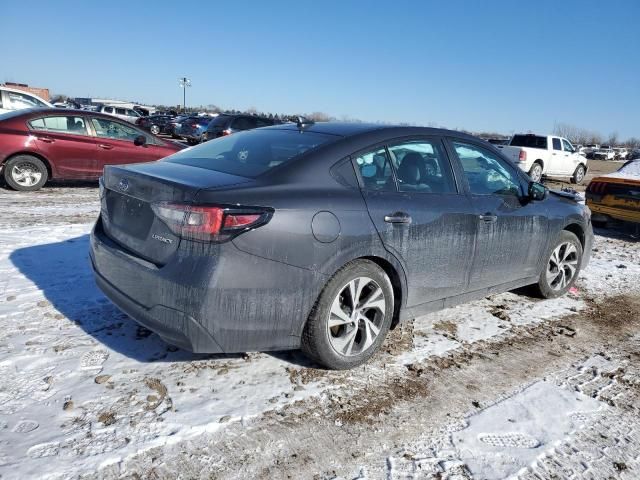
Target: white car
pixel 122 113
pixel 12 99
pixel 546 155
pixel 605 153
pixel 621 153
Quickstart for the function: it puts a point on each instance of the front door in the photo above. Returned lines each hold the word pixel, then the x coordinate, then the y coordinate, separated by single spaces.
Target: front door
pixel 115 144
pixel 512 231
pixel 422 218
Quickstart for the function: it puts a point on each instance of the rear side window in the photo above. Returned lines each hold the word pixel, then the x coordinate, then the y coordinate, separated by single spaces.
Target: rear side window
pixel 221 121
pixel 17 101
pixel 422 166
pixel 251 153
pixel 121 111
pixel 60 124
pixel 529 141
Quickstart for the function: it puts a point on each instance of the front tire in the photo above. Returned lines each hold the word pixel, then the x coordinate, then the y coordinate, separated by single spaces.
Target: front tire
pixel 155 129
pixel 562 267
pixel 536 172
pixel 25 173
pixel 351 317
pixel 578 175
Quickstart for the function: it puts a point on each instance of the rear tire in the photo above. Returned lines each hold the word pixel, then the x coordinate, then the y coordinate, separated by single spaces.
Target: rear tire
pixel 341 333
pixel 536 172
pixel 25 173
pixel 578 175
pixel 562 266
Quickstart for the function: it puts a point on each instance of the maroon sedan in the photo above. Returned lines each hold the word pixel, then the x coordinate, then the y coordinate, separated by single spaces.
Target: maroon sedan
pixel 49 143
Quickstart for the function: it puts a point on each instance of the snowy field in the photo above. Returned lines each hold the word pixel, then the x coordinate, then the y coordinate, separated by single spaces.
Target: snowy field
pixel 469 392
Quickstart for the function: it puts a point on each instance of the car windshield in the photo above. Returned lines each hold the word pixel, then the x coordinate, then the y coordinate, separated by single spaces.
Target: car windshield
pixel 251 153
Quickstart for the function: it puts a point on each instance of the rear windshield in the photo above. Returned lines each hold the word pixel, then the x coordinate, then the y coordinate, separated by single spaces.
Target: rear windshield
pixel 250 153
pixel 220 121
pixel 530 141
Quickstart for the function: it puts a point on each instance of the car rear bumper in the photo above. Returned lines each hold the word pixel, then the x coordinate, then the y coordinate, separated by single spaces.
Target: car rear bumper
pixel 618 213
pixel 216 301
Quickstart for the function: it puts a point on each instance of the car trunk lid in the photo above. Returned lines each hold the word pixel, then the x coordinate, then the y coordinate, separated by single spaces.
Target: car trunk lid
pixel 131 195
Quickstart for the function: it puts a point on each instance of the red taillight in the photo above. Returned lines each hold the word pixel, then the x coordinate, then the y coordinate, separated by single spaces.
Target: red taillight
pixel 597 187
pixel 523 156
pixel 226 131
pixel 209 223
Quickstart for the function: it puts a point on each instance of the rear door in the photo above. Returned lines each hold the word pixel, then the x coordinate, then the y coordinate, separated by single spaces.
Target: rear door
pixel 511 230
pixel 65 141
pixel 558 158
pixel 421 216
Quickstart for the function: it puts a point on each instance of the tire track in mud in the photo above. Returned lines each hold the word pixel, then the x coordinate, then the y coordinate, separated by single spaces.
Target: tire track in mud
pixel 366 421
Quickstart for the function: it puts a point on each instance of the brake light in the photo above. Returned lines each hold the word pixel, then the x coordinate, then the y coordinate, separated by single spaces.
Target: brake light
pixel 522 157
pixel 226 131
pixel 210 223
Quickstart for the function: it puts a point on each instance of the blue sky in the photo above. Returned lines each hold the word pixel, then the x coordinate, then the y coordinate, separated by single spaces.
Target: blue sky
pixel 480 65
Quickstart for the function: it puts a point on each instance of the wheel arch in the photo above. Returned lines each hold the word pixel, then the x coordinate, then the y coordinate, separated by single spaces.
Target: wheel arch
pixel 577 230
pixel 540 161
pixel 39 156
pixel 396 283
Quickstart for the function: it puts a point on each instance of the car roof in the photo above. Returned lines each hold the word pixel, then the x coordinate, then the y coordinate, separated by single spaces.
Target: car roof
pixel 346 129
pixel 34 112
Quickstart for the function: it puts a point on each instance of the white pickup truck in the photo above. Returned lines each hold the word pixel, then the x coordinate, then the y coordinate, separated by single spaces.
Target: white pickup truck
pixel 552 156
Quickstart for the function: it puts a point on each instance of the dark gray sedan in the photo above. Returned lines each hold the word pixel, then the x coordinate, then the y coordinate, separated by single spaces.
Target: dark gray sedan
pixel 324 236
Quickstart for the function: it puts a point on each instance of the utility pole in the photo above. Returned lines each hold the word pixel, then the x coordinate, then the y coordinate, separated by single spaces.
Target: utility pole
pixel 184 83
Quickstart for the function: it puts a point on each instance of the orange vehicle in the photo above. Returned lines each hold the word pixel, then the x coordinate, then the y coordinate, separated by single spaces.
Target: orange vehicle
pixel 616 195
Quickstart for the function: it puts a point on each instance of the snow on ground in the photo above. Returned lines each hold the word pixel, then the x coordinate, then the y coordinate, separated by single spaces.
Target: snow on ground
pixel 82 386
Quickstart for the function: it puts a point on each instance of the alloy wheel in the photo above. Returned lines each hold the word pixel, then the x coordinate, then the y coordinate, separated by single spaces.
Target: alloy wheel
pixel 356 316
pixel 155 129
pixel 536 172
pixel 580 175
pixel 26 174
pixel 562 266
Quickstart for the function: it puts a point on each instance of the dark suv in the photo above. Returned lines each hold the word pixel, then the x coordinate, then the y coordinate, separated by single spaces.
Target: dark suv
pixel 156 124
pixel 226 124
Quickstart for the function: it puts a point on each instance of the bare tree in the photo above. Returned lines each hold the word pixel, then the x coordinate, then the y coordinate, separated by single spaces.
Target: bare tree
pixel 613 139
pixel 318 117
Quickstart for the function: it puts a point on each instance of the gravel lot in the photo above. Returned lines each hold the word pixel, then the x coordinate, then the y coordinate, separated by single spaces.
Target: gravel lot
pixel 509 386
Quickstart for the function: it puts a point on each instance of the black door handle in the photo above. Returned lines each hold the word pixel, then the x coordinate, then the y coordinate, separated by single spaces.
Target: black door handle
pixel 488 218
pixel 398 217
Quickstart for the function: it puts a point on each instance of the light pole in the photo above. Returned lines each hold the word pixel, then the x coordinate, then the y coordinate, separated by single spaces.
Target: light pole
pixel 184 83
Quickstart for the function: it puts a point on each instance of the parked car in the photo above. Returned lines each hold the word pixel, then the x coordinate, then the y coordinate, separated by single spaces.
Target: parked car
pixel 324 236
pixel 621 153
pixel 616 195
pixel 546 155
pixel 226 124
pixel 122 113
pixel 156 124
pixel 192 129
pixel 604 153
pixel 176 123
pixel 37 145
pixel 12 99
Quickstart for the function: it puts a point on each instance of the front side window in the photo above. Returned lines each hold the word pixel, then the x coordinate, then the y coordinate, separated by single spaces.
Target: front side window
pixel 18 101
pixel 556 144
pixel 486 173
pixel 60 124
pixel 422 166
pixel 250 153
pixel 375 170
pixel 115 130
pixel 121 111
pixel 108 109
pixel 567 147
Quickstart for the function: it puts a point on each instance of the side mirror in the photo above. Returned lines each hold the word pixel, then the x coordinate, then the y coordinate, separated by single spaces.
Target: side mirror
pixel 537 191
pixel 140 140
